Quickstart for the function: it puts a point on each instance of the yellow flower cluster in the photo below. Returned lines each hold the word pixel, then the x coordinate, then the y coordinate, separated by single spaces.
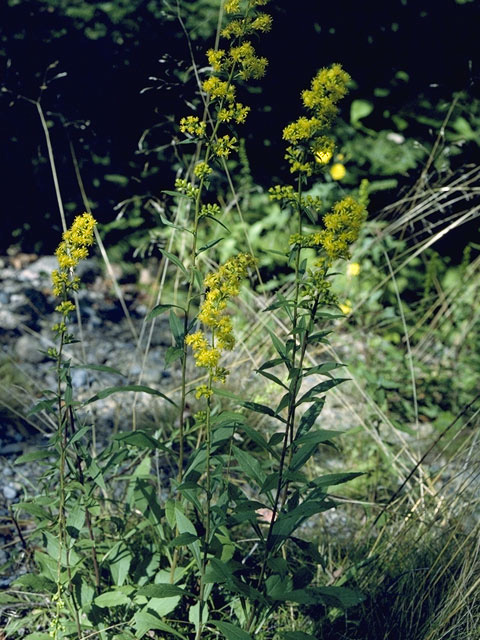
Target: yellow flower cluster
pixel 217 88
pixel 224 146
pixel 220 286
pixel 323 149
pixel 304 135
pixel 234 111
pixel 70 251
pixel 338 171
pixel 202 170
pixel 193 126
pixel 342 226
pixel 183 186
pixel 210 210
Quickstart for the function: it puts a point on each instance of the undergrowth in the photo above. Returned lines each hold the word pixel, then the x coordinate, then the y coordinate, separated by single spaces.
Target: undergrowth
pixel 279 513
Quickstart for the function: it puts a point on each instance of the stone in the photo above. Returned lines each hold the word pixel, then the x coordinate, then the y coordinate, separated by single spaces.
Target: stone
pixel 27 349
pixel 9 492
pixel 10 321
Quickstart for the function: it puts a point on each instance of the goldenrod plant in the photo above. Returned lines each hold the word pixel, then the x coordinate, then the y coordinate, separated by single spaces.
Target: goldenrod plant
pixel 225 553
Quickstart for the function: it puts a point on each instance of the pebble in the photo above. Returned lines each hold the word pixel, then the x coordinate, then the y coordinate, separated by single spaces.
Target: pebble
pixel 79 378
pixel 27 349
pixel 9 492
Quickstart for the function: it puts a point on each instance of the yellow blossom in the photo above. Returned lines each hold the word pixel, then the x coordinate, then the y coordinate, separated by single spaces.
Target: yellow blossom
pixel 221 286
pixel 323 156
pixel 353 269
pixel 193 126
pixel 338 171
pixel 346 307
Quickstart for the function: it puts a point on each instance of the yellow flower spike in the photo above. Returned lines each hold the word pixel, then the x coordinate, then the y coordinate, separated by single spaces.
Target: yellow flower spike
pixel 353 269
pixel 338 171
pixel 69 252
pixel 220 286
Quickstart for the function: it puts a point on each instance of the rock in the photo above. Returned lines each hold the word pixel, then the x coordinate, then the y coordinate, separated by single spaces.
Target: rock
pixel 9 492
pixel 79 378
pixel 11 449
pixel 41 267
pixel 10 321
pixel 31 304
pixel 88 270
pixel 27 349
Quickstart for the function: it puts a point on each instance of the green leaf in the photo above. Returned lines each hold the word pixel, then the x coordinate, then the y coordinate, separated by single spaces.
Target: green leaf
pixel 270 363
pixel 322 387
pixel 75 520
pixel 112 599
pixel 78 435
pixel 37 583
pixel 33 509
pixel 177 327
pixel 258 438
pixel 332 479
pixel 167 222
pixel 301 455
pixel 276 438
pixel 174 193
pixel 318 337
pixel 318 436
pixel 43 405
pixel 286 523
pixel 260 408
pixel 209 245
pixel 210 217
pixel 33 456
pixel 270 376
pixel 231 631
pixel 253 406
pixel 185 526
pixel 183 539
pixel 175 261
pixel 359 109
pixel 140 439
pixel 172 354
pixel 95 473
pixel 284 402
pixel 137 388
pixel 161 308
pixel 194 615
pixel 163 591
pixel 217 572
pixel 145 621
pixel 340 596
pixel 323 368
pixel 309 417
pixel 249 465
pixel 297 635
pixel 98 367
pixel 119 561
pixel 38 635
pixel 279 346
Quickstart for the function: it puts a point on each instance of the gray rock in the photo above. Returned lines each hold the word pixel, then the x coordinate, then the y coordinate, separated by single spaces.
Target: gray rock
pixel 27 350
pixel 9 492
pixel 79 378
pixel 10 321
pixel 88 270
pixel 41 267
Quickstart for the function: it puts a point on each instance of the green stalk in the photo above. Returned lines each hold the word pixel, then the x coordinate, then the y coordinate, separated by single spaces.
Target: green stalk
pixel 208 442
pixel 62 538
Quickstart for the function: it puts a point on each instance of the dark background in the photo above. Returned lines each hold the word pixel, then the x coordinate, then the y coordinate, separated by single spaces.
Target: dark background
pixel 128 75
